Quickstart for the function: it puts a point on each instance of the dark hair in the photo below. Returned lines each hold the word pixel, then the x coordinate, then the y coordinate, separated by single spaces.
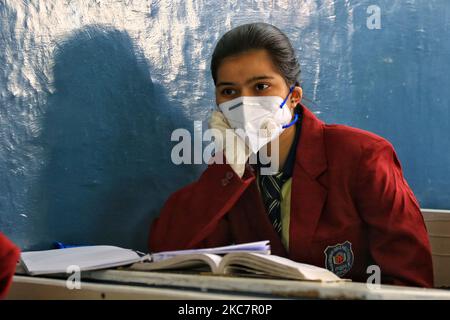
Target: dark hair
pixel 258 36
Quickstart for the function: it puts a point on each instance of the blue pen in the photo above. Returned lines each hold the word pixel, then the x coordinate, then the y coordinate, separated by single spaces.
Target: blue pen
pixel 61 245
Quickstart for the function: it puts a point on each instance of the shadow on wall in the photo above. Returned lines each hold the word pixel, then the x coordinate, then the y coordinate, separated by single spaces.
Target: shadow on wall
pixel 106 135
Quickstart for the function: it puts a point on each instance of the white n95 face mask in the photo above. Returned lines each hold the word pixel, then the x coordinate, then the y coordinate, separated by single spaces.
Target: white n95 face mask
pixel 257 119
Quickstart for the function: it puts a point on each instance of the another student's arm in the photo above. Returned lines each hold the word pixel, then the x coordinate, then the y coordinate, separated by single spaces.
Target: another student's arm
pixel 195 215
pixel 397 234
pixel 9 255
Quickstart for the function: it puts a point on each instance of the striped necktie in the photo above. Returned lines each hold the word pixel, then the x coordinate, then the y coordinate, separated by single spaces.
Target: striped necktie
pixel 271 193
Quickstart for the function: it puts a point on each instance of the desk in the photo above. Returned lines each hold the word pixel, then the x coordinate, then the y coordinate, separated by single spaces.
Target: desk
pixel 124 284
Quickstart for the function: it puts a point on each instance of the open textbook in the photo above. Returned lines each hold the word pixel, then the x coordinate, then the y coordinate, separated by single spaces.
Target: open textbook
pixel 103 257
pixel 241 263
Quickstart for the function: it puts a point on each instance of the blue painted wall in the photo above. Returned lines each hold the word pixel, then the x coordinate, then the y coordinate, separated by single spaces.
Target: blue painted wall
pixel 90 91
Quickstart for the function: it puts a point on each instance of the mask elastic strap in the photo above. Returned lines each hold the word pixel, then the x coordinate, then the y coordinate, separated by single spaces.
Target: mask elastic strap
pixel 285 99
pixel 291 123
pixel 281 106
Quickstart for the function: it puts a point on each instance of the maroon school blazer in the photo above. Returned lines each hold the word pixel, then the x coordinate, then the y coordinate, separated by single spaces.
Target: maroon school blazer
pixel 351 208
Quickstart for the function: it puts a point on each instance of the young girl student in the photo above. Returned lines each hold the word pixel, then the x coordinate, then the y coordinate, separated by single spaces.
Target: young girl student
pixel 337 199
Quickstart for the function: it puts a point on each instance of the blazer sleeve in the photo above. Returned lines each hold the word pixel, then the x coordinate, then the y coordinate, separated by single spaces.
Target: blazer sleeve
pixel 9 255
pixel 398 239
pixel 195 216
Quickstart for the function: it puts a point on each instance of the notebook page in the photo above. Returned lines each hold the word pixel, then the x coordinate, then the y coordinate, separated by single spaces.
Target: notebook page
pixel 262 247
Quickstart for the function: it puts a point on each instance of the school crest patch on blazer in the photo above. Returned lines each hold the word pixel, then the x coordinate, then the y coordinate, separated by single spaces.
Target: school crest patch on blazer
pixel 339 258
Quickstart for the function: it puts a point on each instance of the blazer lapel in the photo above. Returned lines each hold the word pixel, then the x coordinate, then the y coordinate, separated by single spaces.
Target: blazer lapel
pixel 308 195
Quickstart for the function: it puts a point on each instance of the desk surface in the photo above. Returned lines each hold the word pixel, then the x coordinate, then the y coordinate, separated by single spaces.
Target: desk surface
pixel 124 284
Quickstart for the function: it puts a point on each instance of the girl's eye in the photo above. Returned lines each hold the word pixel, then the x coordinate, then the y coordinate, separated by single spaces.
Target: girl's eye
pixel 262 86
pixel 228 92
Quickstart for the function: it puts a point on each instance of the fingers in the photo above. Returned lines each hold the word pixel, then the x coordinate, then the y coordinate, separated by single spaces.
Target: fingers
pixel 218 121
pixel 235 150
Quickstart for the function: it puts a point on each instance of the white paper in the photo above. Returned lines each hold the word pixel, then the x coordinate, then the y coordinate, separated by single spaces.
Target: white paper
pixel 86 258
pixel 258 247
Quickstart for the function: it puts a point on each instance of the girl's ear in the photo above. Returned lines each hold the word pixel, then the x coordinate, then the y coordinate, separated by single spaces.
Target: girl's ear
pixel 296 96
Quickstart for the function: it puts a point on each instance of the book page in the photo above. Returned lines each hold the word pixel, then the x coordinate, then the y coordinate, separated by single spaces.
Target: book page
pixel 275 266
pixel 185 261
pixel 86 258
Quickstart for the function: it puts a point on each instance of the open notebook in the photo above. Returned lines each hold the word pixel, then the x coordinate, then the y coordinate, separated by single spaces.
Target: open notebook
pixel 103 257
pixel 241 263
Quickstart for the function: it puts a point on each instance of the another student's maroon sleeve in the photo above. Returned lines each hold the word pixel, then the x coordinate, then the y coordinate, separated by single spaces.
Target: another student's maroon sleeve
pixel 9 255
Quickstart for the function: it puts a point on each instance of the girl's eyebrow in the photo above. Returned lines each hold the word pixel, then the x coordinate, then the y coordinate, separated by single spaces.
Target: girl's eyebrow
pixel 252 79
pixel 263 77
